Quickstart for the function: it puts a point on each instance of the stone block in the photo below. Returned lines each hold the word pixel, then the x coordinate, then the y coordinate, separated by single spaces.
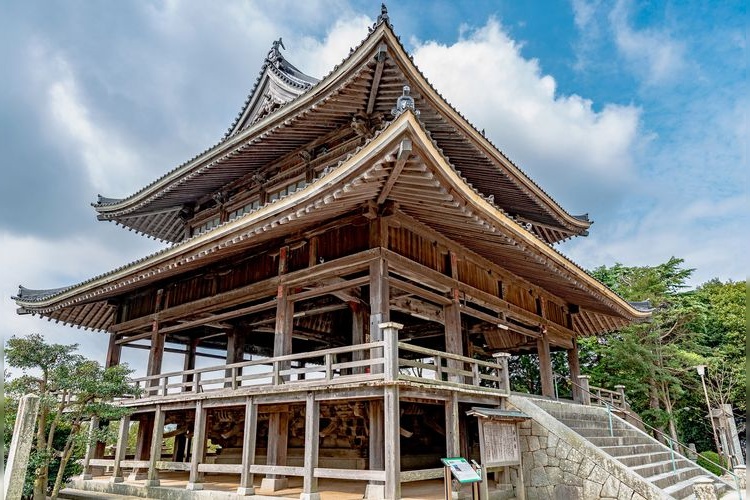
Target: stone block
pixel 591 489
pixel 587 465
pixel 611 487
pixel 599 475
pixel 575 456
pixel 538 477
pixel 543 442
pixel 562 450
pixel 637 496
pixel 553 461
pixel 625 492
pixel 537 429
pixel 554 475
pixel 540 458
pixel 524 431
pixel 568 466
pixel 572 479
pixel 552 440
pixel 533 443
pixel 567 492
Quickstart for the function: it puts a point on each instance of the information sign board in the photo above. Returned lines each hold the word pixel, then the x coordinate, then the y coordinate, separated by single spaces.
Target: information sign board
pixel 462 470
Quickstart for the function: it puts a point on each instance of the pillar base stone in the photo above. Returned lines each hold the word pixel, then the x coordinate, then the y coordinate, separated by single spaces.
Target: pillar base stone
pixel 117 480
pixel 246 491
pixel 86 477
pixel 151 482
pixel 274 483
pixel 194 486
pixel 374 492
pixel 309 496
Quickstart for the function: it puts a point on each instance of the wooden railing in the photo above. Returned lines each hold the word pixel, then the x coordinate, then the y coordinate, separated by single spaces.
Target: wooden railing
pixel 589 394
pixel 330 366
pixel 384 360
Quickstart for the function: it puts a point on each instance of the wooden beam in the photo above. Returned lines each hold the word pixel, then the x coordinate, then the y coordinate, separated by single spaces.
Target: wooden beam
pixel 404 151
pixel 380 56
pixel 195 481
pixel 329 289
pixel 248 448
pixel 312 437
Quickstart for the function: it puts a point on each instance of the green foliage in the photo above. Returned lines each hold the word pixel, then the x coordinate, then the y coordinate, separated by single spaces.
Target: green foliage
pixel 709 460
pixel 656 360
pixel 72 390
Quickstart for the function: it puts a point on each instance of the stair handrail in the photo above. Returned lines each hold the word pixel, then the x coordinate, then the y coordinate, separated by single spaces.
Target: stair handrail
pixel 670 440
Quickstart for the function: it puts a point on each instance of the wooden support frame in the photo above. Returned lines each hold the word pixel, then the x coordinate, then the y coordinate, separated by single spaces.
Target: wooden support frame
pixel 122 444
pixel 248 448
pixel 152 478
pixel 312 435
pixel 195 482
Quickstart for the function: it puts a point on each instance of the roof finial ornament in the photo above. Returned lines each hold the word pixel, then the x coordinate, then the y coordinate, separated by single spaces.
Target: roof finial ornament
pixel 383 17
pixel 275 54
pixel 404 102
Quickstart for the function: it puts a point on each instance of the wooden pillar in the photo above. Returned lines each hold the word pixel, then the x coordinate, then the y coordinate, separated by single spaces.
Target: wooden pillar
pixel 453 333
pixel 392 442
pixel 180 445
pixel 235 354
pixel 155 357
pixel 248 447
pixel 585 395
pixel 199 448
pixel 114 352
pixel 278 424
pixel 545 366
pixel 574 367
pixel 452 429
pixel 504 373
pixel 156 442
pixel 312 435
pixel 379 304
pixel 122 445
pixel 189 364
pixel 142 445
pixel 358 333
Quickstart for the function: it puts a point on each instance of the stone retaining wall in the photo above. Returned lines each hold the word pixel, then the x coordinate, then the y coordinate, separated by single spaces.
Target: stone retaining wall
pixel 560 464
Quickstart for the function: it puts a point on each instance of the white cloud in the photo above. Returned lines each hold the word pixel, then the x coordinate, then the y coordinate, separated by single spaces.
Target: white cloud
pixel 106 159
pixel 318 57
pixel 653 55
pixel 561 139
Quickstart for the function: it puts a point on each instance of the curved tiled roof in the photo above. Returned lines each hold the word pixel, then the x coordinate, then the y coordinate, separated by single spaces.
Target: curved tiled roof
pixel 144 212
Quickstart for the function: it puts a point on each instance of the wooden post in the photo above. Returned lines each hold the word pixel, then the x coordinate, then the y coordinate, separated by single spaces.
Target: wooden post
pixel 114 352
pixel 156 355
pixel 278 424
pixel 545 366
pixel 376 453
pixel 312 435
pixel 189 364
pixel 501 358
pixel 199 448
pixel 452 429
pixel 453 334
pixel 392 442
pixel 583 382
pixel 358 333
pixel 120 451
pixel 248 448
pixel 278 430
pixel 379 305
pixel 390 335
pixel 142 445
pixel 235 354
pixel 156 442
pixel 574 366
pixel 90 448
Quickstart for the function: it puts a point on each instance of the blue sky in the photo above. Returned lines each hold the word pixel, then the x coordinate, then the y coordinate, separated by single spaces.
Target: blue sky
pixel 635 112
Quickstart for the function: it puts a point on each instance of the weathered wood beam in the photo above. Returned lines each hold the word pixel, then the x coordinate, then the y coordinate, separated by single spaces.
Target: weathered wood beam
pixel 404 151
pixel 418 308
pixel 329 289
pixel 380 56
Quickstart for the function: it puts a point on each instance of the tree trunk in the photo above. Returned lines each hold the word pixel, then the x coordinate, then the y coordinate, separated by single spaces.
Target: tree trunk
pixel 668 409
pixel 67 452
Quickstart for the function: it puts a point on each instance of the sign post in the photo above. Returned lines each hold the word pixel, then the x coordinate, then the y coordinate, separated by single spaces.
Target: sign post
pixel 463 472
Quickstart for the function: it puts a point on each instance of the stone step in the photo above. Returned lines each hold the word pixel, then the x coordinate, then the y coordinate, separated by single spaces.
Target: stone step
pixel 657 467
pixel 600 423
pixel 632 449
pixel 670 478
pixel 644 458
pixel 592 432
pixel 603 441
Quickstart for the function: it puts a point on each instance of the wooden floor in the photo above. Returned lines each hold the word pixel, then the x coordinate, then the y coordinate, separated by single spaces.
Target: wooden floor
pixel 330 489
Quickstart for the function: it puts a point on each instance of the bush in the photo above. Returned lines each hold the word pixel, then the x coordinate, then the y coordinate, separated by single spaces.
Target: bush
pixel 709 459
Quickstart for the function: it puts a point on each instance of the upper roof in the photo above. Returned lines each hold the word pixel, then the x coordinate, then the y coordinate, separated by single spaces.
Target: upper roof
pixel 287 110
pixel 428 189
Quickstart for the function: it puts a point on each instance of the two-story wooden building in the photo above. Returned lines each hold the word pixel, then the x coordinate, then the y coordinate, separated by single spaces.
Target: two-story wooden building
pixel 366 259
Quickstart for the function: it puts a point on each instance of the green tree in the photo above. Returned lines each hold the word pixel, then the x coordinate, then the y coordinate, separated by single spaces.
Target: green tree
pixel 72 390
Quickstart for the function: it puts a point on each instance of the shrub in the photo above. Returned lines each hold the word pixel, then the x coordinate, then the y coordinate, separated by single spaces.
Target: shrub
pixel 709 459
